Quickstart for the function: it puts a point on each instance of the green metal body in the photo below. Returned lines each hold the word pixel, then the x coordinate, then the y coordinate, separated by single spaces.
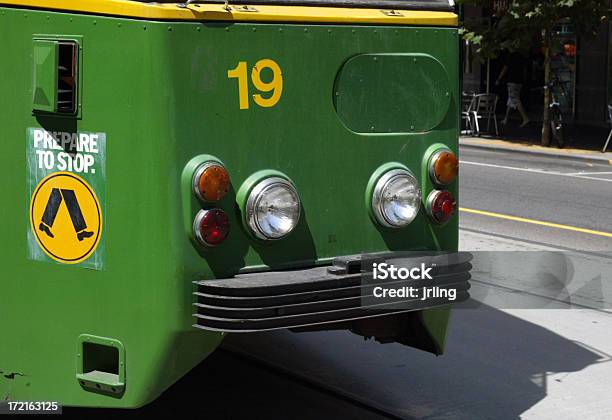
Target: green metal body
pixel 161 94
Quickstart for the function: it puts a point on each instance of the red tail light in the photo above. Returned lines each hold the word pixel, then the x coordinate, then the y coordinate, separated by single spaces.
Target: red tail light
pixel 441 206
pixel 211 227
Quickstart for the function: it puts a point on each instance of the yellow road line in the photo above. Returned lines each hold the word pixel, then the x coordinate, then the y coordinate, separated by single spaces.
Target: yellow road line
pixel 535 222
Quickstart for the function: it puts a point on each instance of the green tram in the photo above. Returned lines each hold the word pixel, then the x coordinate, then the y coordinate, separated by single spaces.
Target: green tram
pixel 203 168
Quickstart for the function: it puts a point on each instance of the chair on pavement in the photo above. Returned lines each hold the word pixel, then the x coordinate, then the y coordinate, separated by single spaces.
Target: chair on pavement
pixel 486 104
pixel 468 103
pixel 609 135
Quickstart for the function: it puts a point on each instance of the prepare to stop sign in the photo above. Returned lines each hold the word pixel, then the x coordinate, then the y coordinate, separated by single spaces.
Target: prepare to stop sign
pixel 66 183
pixel 63 151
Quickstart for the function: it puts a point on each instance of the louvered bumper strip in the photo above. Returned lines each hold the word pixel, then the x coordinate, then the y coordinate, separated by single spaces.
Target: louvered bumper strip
pixel 288 299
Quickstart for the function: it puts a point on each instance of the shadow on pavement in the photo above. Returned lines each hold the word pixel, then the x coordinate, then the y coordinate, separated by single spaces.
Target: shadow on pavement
pixel 495 366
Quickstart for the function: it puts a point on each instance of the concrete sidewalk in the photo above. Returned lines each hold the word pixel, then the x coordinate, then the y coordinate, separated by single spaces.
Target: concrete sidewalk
pixel 500 363
pixel 553 152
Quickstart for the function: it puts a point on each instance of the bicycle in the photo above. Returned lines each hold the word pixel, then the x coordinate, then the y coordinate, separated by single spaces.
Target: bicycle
pixel 556 116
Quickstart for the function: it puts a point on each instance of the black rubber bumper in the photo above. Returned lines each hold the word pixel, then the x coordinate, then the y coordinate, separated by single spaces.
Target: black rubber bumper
pixel 321 295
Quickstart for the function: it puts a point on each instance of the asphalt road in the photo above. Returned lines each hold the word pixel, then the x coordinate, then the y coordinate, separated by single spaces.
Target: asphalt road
pixel 501 362
pixel 574 194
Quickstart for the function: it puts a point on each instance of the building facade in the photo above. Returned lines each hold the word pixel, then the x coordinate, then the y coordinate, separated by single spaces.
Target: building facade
pixel 581 65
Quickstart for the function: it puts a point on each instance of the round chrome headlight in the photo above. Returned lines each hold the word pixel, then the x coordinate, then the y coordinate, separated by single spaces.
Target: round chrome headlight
pixel 273 208
pixel 396 198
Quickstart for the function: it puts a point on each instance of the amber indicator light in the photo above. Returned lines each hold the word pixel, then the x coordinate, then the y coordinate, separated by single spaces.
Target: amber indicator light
pixel 444 167
pixel 211 182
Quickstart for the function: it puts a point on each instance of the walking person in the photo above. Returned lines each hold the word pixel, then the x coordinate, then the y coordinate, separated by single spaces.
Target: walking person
pixel 74 210
pixel 513 71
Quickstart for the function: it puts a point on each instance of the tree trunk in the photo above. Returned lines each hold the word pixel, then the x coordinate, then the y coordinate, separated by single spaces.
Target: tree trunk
pixel 546 115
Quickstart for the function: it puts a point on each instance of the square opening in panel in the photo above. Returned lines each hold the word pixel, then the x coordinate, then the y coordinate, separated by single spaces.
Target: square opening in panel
pixel 100 358
pixel 101 365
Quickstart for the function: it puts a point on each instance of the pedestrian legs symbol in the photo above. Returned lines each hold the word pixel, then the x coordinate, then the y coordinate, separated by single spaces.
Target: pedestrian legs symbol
pixel 74 210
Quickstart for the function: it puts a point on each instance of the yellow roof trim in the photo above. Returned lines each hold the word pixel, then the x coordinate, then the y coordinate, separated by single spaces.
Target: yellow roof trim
pixel 263 13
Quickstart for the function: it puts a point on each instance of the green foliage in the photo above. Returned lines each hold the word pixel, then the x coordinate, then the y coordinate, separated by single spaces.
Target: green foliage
pixel 524 21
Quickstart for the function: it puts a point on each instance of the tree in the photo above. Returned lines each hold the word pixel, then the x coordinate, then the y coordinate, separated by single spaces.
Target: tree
pixel 523 21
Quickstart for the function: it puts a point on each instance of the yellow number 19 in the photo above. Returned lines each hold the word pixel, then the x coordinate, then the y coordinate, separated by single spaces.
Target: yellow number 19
pixel 275 85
